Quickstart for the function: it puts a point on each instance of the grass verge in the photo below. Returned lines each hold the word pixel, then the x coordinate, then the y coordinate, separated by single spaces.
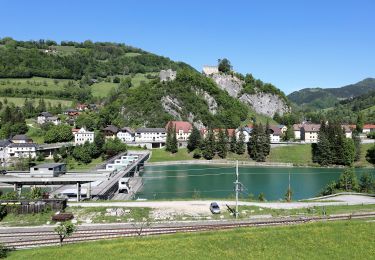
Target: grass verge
pixel 330 240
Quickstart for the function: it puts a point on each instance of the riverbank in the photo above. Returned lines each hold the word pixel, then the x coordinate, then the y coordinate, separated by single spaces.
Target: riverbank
pixel 284 156
pixel 220 162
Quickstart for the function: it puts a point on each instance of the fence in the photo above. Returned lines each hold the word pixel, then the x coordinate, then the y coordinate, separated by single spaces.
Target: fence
pixel 32 206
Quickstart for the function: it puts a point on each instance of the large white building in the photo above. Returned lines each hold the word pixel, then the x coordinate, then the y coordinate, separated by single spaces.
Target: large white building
pixel 82 136
pixel 21 150
pixel 183 129
pixel 150 135
pixel 126 135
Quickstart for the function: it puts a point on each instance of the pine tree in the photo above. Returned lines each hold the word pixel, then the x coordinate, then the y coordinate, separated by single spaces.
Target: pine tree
pixel 357 145
pixel 240 149
pixel 194 140
pixel 267 141
pixel 233 143
pixel 174 142
pixel 168 144
pixel 209 146
pixel 221 145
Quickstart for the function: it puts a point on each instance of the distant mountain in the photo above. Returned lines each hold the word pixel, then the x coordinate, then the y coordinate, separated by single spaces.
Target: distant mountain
pixel 328 97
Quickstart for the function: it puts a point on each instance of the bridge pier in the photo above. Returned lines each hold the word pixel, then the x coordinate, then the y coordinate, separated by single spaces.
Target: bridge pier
pixel 18 188
pixel 88 191
pixel 78 191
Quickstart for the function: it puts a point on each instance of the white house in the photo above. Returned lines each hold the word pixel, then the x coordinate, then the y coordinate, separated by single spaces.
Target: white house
pixel 126 135
pixel 3 149
pixel 21 150
pixel 46 117
pixel 309 133
pixel 368 128
pixel 297 131
pixel 82 136
pixel 183 129
pixel 275 133
pixel 246 131
pixel 150 135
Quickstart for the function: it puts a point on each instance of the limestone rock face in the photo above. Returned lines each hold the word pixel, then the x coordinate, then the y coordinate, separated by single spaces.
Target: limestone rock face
pixel 262 103
pixel 172 106
pixel 211 102
pixel 266 103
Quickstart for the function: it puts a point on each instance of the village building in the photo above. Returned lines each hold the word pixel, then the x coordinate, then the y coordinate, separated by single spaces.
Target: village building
pixel 21 139
pixel 150 135
pixel 126 135
pixel 46 117
pixel 48 170
pixel 368 128
pixel 21 150
pixel 275 133
pixel 82 135
pixel 110 132
pixel 246 131
pixel 309 133
pixel 3 149
pixel 81 107
pixel 72 112
pixel 204 132
pixel 183 129
pixel 297 131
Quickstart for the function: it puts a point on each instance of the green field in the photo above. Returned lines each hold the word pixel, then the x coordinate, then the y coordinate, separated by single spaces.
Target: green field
pixel 102 89
pixel 20 101
pixel 296 154
pixel 34 83
pixel 160 155
pixel 329 240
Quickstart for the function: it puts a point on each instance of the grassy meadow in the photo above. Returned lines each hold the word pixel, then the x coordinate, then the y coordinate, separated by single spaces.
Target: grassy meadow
pixel 21 101
pixel 328 240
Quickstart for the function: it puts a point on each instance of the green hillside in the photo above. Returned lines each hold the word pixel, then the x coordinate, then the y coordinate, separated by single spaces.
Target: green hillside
pixel 124 80
pixel 328 97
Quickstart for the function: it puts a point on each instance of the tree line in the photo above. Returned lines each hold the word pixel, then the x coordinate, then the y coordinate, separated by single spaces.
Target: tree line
pixel 220 143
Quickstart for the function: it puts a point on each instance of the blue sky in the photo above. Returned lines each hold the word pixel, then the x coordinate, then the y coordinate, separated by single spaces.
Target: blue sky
pixel 291 43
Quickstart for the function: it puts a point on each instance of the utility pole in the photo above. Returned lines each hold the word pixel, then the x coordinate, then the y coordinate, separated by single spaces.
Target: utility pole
pixel 237 189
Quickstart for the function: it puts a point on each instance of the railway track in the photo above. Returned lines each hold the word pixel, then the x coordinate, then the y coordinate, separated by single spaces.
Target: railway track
pixel 30 239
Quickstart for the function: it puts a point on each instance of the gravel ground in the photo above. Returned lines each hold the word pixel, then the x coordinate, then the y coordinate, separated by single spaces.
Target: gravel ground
pixel 202 206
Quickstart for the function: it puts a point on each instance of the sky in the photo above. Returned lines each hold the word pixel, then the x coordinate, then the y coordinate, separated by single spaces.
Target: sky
pixel 292 44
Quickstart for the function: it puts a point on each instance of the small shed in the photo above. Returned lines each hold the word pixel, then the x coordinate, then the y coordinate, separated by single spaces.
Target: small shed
pixel 48 170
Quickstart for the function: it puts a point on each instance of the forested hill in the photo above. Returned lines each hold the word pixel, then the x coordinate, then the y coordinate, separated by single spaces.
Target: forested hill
pixel 73 60
pixel 124 82
pixel 324 98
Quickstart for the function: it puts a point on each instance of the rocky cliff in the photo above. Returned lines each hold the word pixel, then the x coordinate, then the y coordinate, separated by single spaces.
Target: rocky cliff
pixel 261 102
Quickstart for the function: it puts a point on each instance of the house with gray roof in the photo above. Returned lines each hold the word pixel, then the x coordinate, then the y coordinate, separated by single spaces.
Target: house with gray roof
pixel 151 135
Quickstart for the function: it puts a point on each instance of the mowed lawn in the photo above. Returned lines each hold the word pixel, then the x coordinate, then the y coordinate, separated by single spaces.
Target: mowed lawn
pixel 161 155
pixel 329 240
pixel 21 101
pixel 296 154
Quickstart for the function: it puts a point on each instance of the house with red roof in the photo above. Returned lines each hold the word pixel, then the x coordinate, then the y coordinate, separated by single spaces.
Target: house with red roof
pixel 368 128
pixel 183 129
pixel 204 132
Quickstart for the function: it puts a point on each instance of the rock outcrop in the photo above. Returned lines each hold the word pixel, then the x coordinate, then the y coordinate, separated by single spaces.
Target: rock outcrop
pixel 262 103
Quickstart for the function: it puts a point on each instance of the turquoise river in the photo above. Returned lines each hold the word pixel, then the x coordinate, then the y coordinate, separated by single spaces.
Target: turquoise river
pixel 216 181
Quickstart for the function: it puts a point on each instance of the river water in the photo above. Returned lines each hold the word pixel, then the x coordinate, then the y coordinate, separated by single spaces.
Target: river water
pixel 216 181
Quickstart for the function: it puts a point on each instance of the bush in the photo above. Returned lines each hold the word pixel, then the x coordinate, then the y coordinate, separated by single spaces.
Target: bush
pixel 62 217
pixel 371 135
pixel 4 251
pixel 197 154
